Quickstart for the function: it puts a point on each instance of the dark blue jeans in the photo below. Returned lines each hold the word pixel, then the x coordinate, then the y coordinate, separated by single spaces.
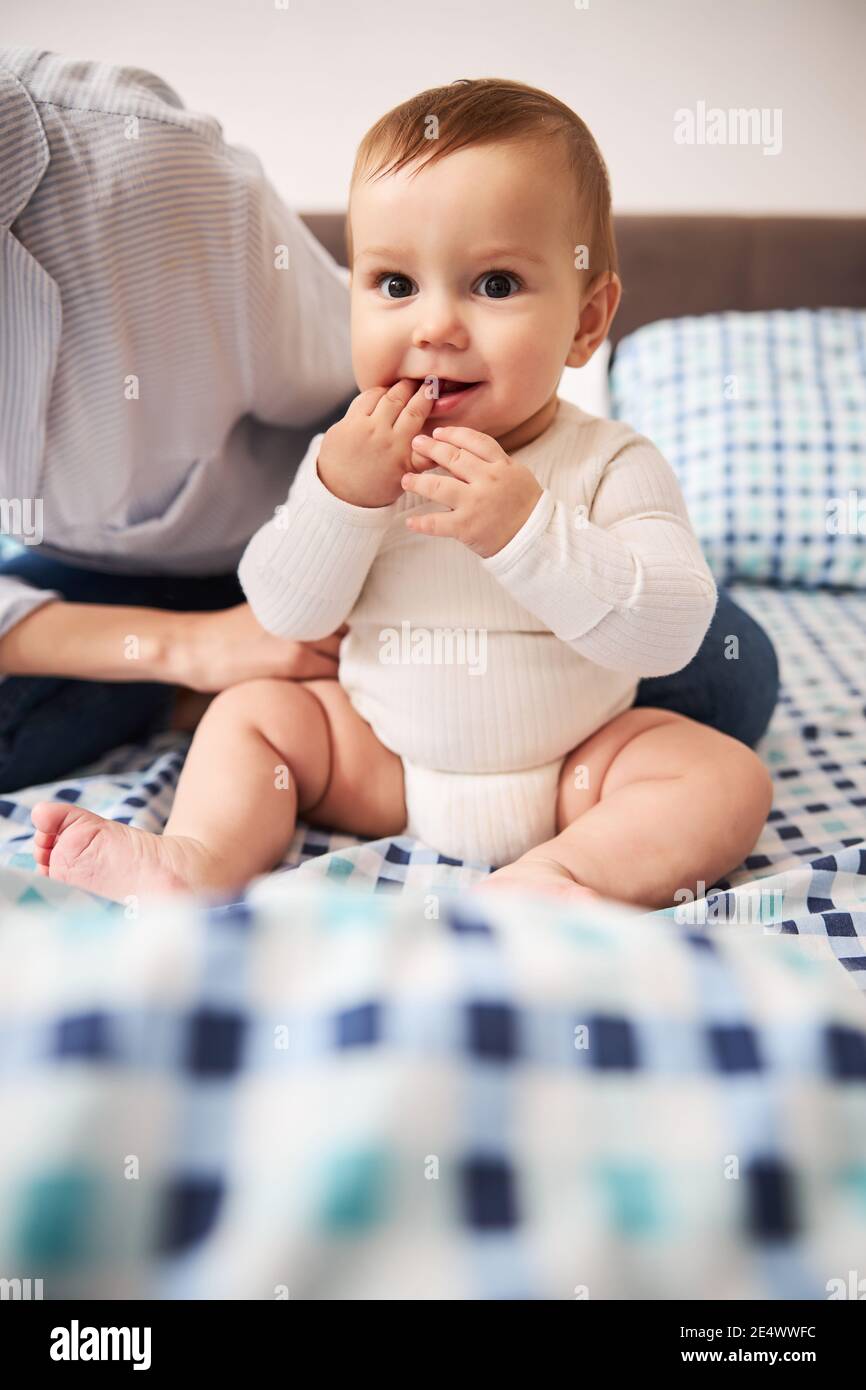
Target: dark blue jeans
pixel 49 727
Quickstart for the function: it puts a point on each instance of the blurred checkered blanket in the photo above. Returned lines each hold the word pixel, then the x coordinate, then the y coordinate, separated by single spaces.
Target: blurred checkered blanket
pixel 338 1095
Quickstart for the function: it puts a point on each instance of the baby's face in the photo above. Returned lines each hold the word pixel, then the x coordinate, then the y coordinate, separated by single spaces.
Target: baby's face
pixel 466 273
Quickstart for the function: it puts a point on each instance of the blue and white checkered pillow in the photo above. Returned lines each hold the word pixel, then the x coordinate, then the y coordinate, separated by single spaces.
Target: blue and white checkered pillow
pixel 763 418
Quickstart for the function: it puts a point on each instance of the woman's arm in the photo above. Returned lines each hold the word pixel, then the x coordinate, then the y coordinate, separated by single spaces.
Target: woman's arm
pixel 204 651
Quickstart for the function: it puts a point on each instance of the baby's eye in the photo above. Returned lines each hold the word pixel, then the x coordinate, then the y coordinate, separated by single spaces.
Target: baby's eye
pixel 497 282
pixel 401 284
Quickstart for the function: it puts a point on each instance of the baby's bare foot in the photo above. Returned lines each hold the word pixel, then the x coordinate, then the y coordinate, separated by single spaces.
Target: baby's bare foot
pixel 535 875
pixel 102 856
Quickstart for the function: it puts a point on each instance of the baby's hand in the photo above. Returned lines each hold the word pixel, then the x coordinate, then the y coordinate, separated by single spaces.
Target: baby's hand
pixel 364 456
pixel 490 495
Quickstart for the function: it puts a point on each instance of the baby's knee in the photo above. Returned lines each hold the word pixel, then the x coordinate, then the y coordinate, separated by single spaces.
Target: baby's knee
pixel 286 719
pixel 270 707
pixel 740 782
pixel 252 695
pixel 753 776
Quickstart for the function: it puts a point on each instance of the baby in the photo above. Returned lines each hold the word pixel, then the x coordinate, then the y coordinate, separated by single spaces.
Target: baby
pixel 509 566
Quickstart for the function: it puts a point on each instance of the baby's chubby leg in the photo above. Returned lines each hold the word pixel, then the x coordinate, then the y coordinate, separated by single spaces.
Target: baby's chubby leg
pixel 265 752
pixel 651 803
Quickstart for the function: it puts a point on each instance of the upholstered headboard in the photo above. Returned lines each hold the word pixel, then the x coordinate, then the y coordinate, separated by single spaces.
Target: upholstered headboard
pixel 674 265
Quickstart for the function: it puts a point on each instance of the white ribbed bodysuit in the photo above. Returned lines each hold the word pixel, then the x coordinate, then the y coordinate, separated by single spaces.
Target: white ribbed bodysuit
pixel 482 674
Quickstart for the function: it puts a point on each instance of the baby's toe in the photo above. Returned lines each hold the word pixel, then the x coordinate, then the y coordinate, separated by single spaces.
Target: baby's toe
pixel 47 817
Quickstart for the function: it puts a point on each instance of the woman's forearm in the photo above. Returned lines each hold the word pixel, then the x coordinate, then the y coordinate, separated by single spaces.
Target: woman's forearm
pixel 206 651
pixel 89 641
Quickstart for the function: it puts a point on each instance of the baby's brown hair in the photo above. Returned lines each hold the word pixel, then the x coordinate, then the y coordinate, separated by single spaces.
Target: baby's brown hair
pixel 487 110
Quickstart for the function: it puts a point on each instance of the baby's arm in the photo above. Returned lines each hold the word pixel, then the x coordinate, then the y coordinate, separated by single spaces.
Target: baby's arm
pixel 304 568
pixel 628 586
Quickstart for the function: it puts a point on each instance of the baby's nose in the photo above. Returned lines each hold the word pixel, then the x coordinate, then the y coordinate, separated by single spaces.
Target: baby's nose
pixel 441 326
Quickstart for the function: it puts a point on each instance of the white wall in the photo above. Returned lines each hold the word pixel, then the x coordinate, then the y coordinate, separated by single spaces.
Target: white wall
pixel 301 85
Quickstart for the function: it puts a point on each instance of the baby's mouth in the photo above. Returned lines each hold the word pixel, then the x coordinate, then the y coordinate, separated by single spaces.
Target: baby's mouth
pixel 448 395
pixel 444 385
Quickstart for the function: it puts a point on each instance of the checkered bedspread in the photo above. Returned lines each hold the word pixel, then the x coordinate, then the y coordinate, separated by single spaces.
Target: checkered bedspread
pixel 806 876
pixel 390 1092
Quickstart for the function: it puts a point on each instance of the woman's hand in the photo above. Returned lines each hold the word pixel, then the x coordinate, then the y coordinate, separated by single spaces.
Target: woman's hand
pixel 363 457
pixel 216 650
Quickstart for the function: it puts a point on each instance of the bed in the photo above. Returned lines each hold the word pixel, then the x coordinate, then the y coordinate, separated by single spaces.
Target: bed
pixel 806 875
pixel 426 1031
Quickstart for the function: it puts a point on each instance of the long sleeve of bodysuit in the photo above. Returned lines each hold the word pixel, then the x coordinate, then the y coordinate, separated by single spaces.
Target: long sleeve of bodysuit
pixel 304 568
pixel 626 585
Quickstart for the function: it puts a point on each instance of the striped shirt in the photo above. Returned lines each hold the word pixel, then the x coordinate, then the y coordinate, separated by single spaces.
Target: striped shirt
pixel 169 330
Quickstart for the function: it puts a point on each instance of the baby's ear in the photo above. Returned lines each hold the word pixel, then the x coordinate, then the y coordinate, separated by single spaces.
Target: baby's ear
pixel 580 353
